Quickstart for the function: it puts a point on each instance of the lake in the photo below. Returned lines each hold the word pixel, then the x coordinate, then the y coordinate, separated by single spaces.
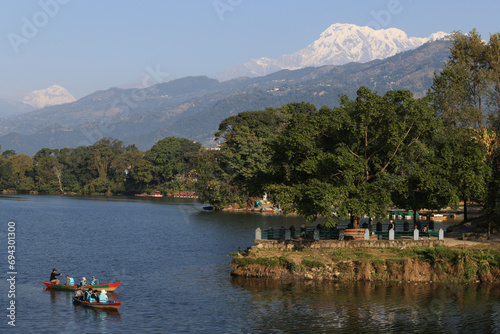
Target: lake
pixel 172 259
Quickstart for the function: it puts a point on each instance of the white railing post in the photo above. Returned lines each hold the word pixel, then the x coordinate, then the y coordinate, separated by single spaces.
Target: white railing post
pixel 316 234
pixel 391 234
pixel 415 234
pixel 258 234
pixel 288 234
pixel 367 234
pixel 441 234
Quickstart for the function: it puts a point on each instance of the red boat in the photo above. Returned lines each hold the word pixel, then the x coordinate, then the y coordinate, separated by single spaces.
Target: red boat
pixel 107 286
pixel 155 194
pixel 107 306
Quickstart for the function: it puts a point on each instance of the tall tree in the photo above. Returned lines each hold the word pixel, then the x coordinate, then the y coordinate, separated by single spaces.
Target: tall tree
pixel 170 157
pixel 22 167
pixel 245 152
pixel 467 95
pixel 47 171
pixel 422 177
pixel 347 157
pixel 213 184
pixel 493 68
pixel 460 90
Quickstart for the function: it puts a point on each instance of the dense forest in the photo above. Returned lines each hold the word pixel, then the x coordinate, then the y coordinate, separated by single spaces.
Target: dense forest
pixel 368 153
pixel 106 167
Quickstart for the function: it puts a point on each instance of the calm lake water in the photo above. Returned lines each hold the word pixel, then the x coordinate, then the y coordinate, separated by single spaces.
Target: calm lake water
pixel 172 259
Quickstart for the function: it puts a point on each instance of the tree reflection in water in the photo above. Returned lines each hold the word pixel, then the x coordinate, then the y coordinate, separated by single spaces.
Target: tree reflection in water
pixel 305 306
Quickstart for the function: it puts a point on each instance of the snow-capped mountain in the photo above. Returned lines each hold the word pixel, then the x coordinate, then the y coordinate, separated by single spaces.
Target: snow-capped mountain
pixel 48 97
pixel 339 44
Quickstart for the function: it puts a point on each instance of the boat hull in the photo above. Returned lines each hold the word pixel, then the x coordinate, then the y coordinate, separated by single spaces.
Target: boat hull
pixel 108 287
pixel 102 306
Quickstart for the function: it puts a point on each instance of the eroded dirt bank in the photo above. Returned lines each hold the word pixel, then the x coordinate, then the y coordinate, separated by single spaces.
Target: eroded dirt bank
pixel 471 262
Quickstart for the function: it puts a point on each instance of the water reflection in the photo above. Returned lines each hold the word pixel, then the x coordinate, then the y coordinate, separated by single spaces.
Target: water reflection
pixel 373 307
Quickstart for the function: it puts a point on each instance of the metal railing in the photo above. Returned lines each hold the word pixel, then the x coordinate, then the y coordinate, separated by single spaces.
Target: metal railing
pixel 313 233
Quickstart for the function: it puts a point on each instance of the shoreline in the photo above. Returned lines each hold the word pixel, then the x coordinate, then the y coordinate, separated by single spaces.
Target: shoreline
pixel 452 260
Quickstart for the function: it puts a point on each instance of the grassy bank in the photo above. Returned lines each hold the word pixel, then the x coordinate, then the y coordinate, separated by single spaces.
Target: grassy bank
pixel 416 264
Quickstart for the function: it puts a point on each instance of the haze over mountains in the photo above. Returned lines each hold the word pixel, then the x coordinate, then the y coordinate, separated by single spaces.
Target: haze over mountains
pixel 192 107
pixel 53 95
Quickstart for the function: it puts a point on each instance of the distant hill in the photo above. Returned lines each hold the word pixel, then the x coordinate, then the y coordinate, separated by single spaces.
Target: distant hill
pixel 192 107
pixel 10 108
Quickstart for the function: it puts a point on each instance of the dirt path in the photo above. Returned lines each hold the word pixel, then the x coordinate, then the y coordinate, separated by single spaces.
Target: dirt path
pixel 455 239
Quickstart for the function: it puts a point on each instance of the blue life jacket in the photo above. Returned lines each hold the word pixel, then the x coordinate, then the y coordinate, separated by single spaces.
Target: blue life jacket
pixel 82 282
pixel 92 300
pixel 94 281
pixel 103 298
pixel 71 281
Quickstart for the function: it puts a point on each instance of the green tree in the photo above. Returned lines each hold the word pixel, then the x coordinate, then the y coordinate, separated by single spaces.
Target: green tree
pixel 245 152
pixel 171 156
pixel 22 168
pixel 7 177
pixel 347 158
pixel 213 184
pixel 48 171
pixel 141 175
pixel 422 177
pixel 467 95
pixel 461 90
pixel 465 160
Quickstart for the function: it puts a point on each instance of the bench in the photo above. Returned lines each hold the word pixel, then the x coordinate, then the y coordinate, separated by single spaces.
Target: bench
pixel 354 234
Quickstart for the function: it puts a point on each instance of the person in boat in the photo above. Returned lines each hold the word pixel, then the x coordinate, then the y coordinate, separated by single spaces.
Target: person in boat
pixel 79 293
pixel 86 296
pixel 83 281
pixel 94 281
pixel 94 297
pixel 70 280
pixel 103 298
pixel 53 277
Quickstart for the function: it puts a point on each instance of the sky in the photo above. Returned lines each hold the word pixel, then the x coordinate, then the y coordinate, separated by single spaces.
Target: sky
pixel 93 45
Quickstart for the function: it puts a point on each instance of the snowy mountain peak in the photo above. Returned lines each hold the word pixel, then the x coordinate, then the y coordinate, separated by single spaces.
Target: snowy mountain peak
pixel 53 95
pixel 339 44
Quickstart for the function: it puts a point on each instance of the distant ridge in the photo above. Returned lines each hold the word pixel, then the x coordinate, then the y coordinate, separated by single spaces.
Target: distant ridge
pixel 339 44
pixel 193 107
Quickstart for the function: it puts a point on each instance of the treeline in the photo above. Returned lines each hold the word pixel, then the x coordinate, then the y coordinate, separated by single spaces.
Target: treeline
pixel 106 167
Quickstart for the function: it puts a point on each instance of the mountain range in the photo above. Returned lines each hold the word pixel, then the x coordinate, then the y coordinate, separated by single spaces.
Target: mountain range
pixel 192 107
pixel 339 44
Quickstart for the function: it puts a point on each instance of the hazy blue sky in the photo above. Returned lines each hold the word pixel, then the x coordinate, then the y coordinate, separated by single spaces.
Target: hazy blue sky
pixel 91 45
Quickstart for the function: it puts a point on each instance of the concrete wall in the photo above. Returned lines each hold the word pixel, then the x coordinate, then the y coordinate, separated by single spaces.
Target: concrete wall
pixel 335 244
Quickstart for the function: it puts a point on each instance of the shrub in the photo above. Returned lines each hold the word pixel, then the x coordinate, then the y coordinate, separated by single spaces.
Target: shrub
pixel 265 261
pixel 313 264
pixel 268 261
pixel 287 263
